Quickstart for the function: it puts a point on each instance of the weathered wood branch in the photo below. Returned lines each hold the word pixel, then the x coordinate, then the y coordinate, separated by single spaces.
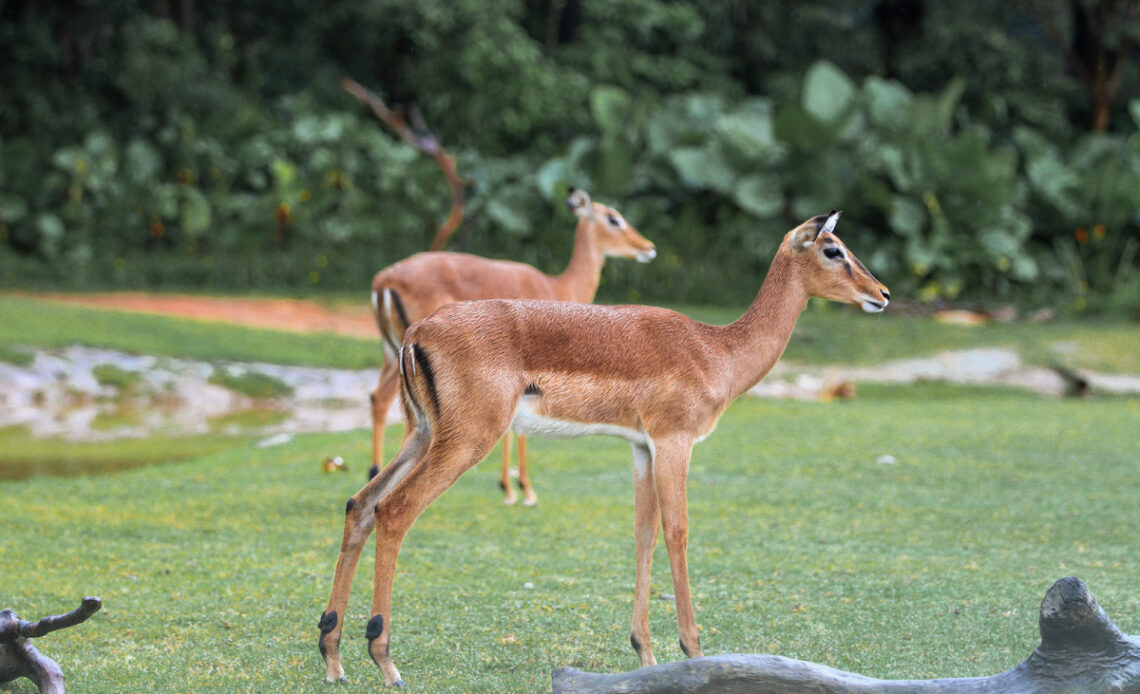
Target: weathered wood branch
pixel 1081 651
pixel 19 658
pixel 420 137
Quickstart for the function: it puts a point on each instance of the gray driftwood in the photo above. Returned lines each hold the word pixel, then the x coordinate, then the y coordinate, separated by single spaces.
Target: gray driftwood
pixel 1081 651
pixel 19 658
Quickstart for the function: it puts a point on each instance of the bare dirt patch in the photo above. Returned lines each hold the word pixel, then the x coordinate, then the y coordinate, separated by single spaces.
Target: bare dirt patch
pixel 296 315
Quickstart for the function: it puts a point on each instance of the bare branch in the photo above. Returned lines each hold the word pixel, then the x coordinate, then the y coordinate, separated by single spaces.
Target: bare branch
pixel 88 607
pixel 422 139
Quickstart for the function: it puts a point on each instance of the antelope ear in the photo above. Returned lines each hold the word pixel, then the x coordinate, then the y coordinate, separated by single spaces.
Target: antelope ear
pixel 828 223
pixel 579 202
pixel 802 237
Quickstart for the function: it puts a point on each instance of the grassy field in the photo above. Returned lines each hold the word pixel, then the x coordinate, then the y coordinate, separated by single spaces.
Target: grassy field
pixel 825 334
pixel 52 324
pixel 215 567
pixel 214 571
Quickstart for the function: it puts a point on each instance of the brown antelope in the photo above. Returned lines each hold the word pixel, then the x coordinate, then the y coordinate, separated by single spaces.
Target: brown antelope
pixel 412 288
pixel 651 376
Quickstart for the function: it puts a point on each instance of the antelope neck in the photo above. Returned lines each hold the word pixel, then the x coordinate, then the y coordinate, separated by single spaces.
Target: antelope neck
pixel 756 340
pixel 579 282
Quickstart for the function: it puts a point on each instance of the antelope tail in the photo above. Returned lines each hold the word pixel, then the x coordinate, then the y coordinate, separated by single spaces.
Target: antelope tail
pixel 391 318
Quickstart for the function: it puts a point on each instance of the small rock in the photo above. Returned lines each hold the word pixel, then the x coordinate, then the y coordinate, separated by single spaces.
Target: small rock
pixel 886 460
pixel 275 440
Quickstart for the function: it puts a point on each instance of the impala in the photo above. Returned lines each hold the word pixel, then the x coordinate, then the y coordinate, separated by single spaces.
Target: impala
pixel 412 288
pixel 651 376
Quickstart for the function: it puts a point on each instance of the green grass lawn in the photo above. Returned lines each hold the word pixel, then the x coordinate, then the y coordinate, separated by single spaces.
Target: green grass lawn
pixel 214 571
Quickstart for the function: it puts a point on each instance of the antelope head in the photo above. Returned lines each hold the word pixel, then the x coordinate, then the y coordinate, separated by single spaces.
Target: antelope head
pixel 830 270
pixel 612 235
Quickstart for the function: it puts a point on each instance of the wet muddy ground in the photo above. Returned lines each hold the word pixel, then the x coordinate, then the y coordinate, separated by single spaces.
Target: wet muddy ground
pixel 89 394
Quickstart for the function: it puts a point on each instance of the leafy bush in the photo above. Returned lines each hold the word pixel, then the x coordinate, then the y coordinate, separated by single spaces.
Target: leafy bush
pixel 137 151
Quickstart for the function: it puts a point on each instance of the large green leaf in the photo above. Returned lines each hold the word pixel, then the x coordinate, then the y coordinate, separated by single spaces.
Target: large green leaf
pixel 907 216
pixel 704 167
pixel 759 194
pixel 888 102
pixel 143 161
pixel 51 230
pixel 749 130
pixel 507 218
pixel 196 211
pixel 611 108
pixel 1055 181
pixel 550 175
pixel 12 207
pixel 828 92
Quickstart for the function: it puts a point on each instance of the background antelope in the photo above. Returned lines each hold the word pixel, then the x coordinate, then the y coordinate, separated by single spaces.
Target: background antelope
pixel 412 288
pixel 651 376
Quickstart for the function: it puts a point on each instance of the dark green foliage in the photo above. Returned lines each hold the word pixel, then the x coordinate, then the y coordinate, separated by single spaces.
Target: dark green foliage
pixel 189 144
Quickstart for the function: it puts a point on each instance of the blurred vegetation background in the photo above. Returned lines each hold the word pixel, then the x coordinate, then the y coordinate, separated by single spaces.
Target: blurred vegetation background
pixel 982 152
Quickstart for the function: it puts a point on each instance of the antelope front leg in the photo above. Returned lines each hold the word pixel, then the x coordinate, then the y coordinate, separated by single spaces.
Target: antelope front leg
pixel 646 524
pixel 509 497
pixel 670 471
pixel 529 497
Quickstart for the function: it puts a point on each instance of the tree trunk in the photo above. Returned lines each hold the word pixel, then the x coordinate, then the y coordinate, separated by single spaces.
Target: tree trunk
pixel 1081 651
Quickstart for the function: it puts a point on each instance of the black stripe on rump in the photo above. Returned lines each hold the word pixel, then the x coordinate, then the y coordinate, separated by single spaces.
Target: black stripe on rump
pixel 400 312
pixel 424 362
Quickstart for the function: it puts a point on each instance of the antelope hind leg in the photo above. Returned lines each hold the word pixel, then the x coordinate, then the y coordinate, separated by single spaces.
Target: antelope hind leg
pixel 358 524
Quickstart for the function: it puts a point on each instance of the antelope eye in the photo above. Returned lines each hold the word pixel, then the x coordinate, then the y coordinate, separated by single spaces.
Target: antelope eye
pixel 613 220
pixel 833 253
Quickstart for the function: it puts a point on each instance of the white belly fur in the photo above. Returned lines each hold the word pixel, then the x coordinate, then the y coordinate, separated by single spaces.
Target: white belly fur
pixel 529 423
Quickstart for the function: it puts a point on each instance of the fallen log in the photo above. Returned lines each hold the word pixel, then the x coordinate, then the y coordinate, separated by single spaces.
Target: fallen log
pixel 19 658
pixel 1081 651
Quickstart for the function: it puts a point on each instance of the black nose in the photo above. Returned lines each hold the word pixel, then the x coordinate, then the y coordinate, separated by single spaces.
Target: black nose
pixel 886 294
